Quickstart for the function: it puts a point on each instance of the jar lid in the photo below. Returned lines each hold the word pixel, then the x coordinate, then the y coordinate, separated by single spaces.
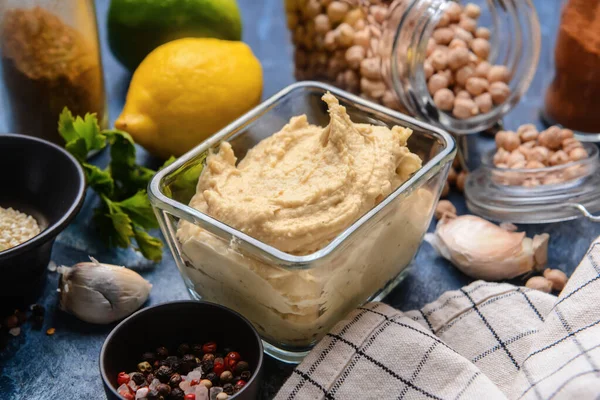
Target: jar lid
pixel 534 205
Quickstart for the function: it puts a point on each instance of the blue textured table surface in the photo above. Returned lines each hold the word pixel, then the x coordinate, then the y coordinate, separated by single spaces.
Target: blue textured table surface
pixel 65 366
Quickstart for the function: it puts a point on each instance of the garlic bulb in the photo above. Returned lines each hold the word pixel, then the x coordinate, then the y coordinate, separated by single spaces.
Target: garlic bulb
pixel 101 293
pixel 483 250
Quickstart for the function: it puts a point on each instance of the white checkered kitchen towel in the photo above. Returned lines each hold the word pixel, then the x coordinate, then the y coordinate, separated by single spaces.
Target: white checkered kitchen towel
pixel 484 341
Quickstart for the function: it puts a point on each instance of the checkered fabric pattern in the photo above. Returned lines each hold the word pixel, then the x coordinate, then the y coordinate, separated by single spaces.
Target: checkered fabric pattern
pixel 484 341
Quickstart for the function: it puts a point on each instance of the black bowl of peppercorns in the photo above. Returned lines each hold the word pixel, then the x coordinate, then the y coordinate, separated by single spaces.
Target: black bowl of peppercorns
pixel 185 350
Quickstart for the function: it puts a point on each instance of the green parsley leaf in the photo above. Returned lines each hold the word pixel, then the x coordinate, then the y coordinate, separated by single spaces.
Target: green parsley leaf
pixel 125 211
pixel 139 210
pixel 121 223
pixel 149 246
pixel 100 180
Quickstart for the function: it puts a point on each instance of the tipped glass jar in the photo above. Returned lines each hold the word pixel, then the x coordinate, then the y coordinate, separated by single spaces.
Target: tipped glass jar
pixel 461 68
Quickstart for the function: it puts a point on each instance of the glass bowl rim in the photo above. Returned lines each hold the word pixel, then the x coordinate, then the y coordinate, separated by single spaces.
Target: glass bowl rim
pixel 184 211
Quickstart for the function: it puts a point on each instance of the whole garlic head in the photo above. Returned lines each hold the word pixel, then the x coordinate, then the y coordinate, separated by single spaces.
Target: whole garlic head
pixel 483 250
pixel 101 293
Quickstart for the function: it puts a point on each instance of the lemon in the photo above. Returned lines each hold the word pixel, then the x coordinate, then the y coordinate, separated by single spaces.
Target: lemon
pixel 186 90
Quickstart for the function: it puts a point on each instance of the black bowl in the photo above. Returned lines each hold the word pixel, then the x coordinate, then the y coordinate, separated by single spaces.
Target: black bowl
pixel 43 180
pixel 171 324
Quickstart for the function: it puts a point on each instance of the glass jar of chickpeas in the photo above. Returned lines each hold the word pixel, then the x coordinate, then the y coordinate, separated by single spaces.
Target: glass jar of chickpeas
pixel 461 67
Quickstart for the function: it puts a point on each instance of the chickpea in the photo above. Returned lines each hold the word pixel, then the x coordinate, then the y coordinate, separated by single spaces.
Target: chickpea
pixel 569 144
pixel 468 24
pixel 322 24
pixel 550 138
pixel 566 134
pixel 439 60
pixel 312 9
pixel 354 56
pixel 533 164
pixel 353 16
pixel 362 38
pixel 360 25
pixel 463 94
pixel 498 73
pixel 330 41
pixel 552 180
pixel 501 156
pixel 573 172
pixel 444 99
pixel 539 283
pixel 482 69
pixel 518 165
pixel 351 80
pixel 481 48
pixel 577 154
pixel 476 86
pixel 499 91
pixel 559 158
pixel 452 176
pixel 336 11
pixel 460 181
pixel 472 10
pixel 371 68
pixel 449 75
pixel 443 35
pixel 437 82
pixel 444 207
pixel 375 89
pixel 538 153
pixel 462 34
pixel 508 140
pixel 431 46
pixel 515 157
pixel 454 11
pixel 527 132
pixel 428 69
pixel 484 102
pixel 483 33
pixel 531 182
pixel 300 58
pixel 557 278
pixel 456 43
pixel 379 13
pixel 444 21
pixel 463 74
pixel 390 100
pixel 458 57
pixel 464 108
pixel 345 34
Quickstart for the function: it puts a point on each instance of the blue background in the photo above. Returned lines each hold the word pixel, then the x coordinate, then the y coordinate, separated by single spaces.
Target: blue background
pixel 36 366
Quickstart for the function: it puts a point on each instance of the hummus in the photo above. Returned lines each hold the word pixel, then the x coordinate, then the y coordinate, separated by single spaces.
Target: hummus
pixel 296 191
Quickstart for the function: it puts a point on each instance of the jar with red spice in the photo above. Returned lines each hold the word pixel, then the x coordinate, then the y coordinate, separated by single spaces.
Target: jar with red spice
pixel 461 67
pixel 573 98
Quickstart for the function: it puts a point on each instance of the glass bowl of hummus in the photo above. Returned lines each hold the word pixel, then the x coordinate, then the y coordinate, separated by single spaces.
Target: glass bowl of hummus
pixel 307 207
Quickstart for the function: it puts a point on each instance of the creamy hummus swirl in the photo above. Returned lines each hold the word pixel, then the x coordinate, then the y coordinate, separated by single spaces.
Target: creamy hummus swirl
pixel 301 187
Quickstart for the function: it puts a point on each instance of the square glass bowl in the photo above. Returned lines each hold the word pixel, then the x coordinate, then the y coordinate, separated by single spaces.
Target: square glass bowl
pixel 294 300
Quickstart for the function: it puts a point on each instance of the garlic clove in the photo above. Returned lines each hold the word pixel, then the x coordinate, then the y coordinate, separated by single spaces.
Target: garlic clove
pixel 483 250
pixel 101 293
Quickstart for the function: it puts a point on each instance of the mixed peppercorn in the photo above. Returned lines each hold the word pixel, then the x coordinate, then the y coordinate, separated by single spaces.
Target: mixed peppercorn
pixel 197 372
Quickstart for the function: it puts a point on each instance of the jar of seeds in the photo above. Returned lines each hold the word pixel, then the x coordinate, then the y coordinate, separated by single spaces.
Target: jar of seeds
pixel 49 59
pixel 461 67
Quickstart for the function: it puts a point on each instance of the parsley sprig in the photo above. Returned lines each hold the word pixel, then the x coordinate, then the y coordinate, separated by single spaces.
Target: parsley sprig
pixel 125 213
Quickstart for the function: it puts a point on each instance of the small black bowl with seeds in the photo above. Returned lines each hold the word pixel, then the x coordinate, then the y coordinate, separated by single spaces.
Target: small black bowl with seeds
pixel 185 350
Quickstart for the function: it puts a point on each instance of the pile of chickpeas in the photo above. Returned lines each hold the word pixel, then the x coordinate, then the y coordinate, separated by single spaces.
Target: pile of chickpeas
pixel 340 42
pixel 529 149
pixel 459 77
